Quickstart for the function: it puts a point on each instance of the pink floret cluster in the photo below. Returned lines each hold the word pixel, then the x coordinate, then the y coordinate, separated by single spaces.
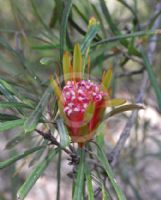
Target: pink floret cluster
pixel 77 95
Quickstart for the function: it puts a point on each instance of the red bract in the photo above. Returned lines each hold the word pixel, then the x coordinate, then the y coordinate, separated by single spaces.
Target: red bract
pixel 81 101
pixel 77 96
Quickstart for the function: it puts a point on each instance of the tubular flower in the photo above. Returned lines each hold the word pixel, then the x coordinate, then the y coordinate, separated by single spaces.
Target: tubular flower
pixel 81 101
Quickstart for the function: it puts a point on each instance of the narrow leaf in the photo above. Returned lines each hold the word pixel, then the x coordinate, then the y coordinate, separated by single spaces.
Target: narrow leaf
pixel 11 124
pixel 104 161
pixel 45 47
pixel 32 121
pixel 100 18
pixel 56 13
pixel 152 78
pixel 6 91
pixel 64 137
pixel 89 37
pixel 39 17
pixel 7 117
pixel 105 195
pixel 115 102
pixel 14 141
pixel 90 191
pixel 15 158
pixel 63 26
pixel 59 175
pixel 36 173
pixel 107 15
pixel 126 36
pixel 130 8
pixel 78 190
pixel 123 109
pixel 114 28
pixel 4 104
pixel 37 155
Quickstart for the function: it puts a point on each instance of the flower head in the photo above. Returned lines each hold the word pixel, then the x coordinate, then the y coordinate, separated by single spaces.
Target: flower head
pixel 77 96
pixel 82 101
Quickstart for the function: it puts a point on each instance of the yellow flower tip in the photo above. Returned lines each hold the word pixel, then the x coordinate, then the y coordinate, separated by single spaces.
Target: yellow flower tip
pixel 92 21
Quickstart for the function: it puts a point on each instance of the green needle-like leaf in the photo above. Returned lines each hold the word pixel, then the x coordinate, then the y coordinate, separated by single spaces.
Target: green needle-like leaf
pixel 105 195
pixel 89 37
pixel 36 173
pixel 6 90
pixel 64 137
pixel 11 124
pixel 126 36
pixel 7 117
pixel 104 161
pixel 78 190
pixel 56 13
pixel 114 27
pixel 15 140
pixel 32 121
pixel 45 47
pixel 152 78
pixel 108 17
pixel 59 175
pixel 130 8
pixel 123 109
pixel 63 26
pixel 15 158
pixel 90 191
pixel 37 156
pixel 13 105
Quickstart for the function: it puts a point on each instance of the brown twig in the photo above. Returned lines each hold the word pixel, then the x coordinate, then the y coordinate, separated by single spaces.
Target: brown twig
pixel 48 136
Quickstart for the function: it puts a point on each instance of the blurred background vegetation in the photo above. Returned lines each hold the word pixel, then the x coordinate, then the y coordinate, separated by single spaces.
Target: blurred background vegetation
pixel 30 52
